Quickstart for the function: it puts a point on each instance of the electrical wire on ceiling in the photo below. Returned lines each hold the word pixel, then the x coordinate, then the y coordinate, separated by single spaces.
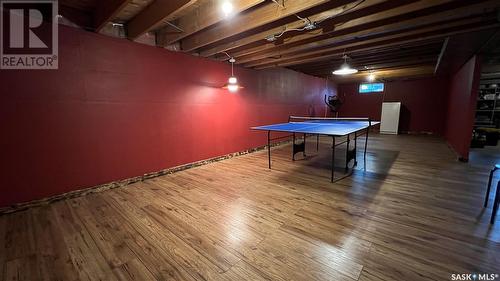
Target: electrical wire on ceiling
pixel 308 24
pixel 288 38
pixel 273 37
pixel 174 26
pixel 276 2
pixel 228 56
pixel 231 59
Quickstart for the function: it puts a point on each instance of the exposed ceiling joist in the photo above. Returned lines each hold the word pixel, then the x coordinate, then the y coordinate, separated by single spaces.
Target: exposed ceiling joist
pixel 79 17
pixel 248 40
pixel 153 16
pixel 405 72
pixel 352 24
pixel 106 12
pixel 363 48
pixel 367 59
pixel 387 21
pixel 266 15
pixel 441 54
pixel 206 15
pixel 361 63
pixel 433 32
pixel 381 65
pixel 377 34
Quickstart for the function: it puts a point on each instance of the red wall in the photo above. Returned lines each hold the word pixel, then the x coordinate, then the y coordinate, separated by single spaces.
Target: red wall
pixel 423 103
pixel 464 88
pixel 117 109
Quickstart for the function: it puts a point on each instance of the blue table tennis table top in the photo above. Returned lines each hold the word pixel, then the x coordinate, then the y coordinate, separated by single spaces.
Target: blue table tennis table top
pixel 321 127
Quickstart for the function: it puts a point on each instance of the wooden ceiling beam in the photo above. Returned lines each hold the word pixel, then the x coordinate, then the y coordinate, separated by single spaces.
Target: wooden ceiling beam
pixel 406 72
pixel 439 31
pixel 206 15
pixel 337 53
pixel 262 16
pixel 77 16
pixel 106 11
pixel 260 37
pixel 395 52
pixel 328 66
pixel 349 30
pixel 397 55
pixel 153 16
pixel 350 25
pixel 381 67
pixel 374 64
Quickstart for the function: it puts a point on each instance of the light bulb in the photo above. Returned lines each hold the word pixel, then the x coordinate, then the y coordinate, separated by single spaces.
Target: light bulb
pixel 371 77
pixel 233 87
pixel 232 80
pixel 227 8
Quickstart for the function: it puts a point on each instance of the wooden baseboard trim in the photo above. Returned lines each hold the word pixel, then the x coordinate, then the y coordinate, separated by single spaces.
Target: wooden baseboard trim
pixel 112 185
pixel 418 133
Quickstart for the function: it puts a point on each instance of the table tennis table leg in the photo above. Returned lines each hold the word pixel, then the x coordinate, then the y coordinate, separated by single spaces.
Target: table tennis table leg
pixel 347 153
pixel 304 152
pixel 496 202
pixel 293 146
pixel 333 157
pixel 317 142
pixel 355 148
pixel 366 144
pixel 269 147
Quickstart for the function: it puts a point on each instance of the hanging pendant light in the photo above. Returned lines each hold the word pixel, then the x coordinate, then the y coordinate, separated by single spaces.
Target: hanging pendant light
pixel 232 83
pixel 345 69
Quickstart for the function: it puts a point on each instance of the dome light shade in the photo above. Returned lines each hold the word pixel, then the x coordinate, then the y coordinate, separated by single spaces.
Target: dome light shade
pixel 345 69
pixel 233 87
pixel 232 82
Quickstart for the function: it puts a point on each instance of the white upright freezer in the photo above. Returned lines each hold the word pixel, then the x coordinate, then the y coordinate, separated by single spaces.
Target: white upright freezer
pixel 390 118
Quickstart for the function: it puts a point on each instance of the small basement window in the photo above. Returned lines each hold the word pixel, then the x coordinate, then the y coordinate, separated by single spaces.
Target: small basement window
pixel 365 88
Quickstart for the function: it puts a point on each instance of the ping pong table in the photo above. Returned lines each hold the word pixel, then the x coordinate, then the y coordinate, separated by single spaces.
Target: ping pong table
pixel 332 127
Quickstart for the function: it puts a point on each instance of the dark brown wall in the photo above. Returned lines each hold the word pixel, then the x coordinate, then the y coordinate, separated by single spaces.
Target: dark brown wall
pixel 464 89
pixel 424 103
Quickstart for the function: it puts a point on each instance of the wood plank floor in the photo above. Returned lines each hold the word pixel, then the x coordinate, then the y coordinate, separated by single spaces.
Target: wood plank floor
pixel 415 214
